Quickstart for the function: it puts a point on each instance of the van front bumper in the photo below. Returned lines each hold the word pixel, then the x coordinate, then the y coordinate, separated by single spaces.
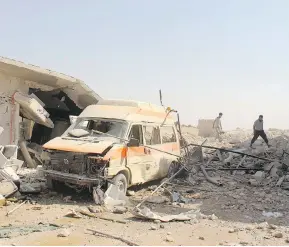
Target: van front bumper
pixel 72 178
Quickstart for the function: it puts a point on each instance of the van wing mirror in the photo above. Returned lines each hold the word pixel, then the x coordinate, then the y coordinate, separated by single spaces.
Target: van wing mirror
pixel 133 142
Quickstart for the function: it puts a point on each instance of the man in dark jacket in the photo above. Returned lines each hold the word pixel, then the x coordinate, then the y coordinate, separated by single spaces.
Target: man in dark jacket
pixel 259 131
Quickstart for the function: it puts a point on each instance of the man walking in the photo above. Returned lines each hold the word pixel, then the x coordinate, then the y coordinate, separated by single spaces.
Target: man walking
pixel 217 126
pixel 259 131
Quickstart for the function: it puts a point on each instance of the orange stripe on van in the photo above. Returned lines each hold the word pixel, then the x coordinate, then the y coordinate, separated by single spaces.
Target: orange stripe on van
pixel 137 151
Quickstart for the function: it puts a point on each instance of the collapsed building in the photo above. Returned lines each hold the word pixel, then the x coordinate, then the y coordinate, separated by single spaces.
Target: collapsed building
pixel 36 105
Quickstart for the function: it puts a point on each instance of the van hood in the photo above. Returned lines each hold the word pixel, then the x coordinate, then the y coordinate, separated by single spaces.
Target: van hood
pixel 79 146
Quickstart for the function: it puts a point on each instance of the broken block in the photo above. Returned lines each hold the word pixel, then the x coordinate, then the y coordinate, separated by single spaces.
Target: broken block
pixel 259 175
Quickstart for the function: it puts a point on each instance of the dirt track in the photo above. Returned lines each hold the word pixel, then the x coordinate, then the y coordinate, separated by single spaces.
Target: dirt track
pixel 229 229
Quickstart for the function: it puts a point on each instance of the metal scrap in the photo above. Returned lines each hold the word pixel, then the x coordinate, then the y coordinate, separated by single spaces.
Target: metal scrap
pixel 167 180
pixel 7 188
pixel 146 213
pixel 14 209
pixel 114 237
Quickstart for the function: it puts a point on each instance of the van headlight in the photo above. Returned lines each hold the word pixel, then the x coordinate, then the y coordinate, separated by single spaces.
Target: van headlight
pixel 96 166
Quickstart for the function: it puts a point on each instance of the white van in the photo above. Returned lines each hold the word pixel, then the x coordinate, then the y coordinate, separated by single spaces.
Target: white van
pixel 111 141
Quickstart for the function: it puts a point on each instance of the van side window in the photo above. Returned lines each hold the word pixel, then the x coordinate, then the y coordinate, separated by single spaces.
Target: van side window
pixel 168 134
pixel 152 135
pixel 136 133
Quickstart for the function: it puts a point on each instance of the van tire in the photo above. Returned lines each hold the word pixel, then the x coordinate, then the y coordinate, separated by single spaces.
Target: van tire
pixel 120 181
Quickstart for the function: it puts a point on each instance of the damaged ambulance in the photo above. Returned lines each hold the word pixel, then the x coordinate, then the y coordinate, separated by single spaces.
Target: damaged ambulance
pixel 110 143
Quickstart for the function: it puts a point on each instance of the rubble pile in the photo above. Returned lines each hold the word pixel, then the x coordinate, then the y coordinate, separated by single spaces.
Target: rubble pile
pixel 229 177
pixel 242 178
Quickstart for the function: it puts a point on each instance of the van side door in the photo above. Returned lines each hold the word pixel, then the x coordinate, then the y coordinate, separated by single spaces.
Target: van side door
pixel 152 138
pixel 170 144
pixel 136 156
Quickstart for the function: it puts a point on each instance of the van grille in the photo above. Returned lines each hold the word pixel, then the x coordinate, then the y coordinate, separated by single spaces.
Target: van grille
pixel 68 162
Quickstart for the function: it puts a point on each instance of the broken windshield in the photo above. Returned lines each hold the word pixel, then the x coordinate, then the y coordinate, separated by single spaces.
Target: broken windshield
pixel 98 128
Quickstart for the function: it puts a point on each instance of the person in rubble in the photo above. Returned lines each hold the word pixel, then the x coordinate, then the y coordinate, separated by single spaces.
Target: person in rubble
pixel 259 131
pixel 217 126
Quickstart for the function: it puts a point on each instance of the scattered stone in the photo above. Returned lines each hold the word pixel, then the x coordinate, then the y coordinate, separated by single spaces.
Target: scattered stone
pixel 259 175
pixel 287 241
pixel 64 233
pixel 67 198
pixel 119 210
pixel 244 243
pixel 254 182
pixel 213 217
pixel 203 216
pixel 272 214
pixel 73 214
pixel 169 239
pixel 169 233
pixel 153 187
pixel 94 209
pixel 262 225
pixel 258 206
pixel 231 231
pixel 194 221
pixel 249 228
pixel 153 227
pixel 278 235
pixel 201 238
pixel 130 193
pixel 272 227
pixel 2 200
pixel 162 226
pixel 158 199
pixel 157 221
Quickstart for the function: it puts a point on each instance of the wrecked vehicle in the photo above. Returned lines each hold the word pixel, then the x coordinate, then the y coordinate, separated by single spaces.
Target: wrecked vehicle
pixel 115 141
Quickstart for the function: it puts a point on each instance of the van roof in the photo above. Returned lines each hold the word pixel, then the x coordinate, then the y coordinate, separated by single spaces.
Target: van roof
pixel 129 110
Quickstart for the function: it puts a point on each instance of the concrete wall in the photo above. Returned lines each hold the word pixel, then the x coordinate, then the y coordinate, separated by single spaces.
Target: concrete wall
pixel 9 110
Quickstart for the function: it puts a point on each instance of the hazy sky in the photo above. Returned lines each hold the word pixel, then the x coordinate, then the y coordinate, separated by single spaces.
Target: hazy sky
pixel 206 56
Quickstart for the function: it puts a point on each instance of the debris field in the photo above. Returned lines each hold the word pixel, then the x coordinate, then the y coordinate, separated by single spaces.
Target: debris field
pixel 219 194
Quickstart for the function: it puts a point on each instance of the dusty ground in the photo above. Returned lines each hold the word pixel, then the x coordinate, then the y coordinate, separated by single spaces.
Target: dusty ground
pixel 237 223
pixel 241 210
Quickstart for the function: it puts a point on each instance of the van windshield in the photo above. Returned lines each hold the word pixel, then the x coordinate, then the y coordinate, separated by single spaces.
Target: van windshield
pixel 102 128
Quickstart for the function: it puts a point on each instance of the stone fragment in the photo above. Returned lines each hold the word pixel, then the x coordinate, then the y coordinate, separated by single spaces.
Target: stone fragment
pixel 130 193
pixel 244 243
pixel 169 239
pixel 64 233
pixel 2 200
pixel 233 230
pixel 119 210
pixel 95 209
pixel 67 198
pixel 278 235
pixel 153 227
pixel 259 175
pixel 271 226
pixel 213 217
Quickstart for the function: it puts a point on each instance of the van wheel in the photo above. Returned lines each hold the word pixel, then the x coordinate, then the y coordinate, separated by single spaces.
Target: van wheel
pixel 121 182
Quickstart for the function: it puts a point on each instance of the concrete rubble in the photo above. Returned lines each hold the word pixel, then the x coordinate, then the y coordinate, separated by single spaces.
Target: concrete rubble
pixel 253 187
